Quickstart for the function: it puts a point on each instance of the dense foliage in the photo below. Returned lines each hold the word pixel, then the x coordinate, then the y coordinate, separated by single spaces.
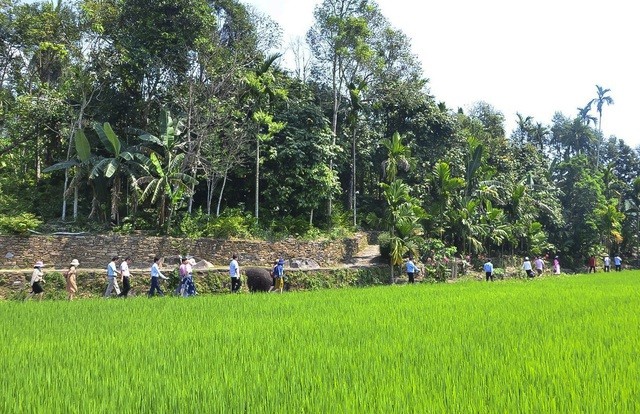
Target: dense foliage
pixel 163 116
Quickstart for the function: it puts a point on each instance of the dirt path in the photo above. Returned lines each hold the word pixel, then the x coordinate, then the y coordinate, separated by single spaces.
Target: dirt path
pixel 367 257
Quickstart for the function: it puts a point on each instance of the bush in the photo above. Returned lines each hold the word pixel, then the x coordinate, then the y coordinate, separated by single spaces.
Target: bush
pixel 232 223
pixel 20 224
pixel 385 246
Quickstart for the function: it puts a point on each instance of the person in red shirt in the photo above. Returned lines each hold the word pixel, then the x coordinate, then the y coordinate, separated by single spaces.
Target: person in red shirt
pixel 592 264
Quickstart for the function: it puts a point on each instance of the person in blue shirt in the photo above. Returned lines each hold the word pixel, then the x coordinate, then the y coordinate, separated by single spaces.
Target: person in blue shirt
pixel 155 275
pixel 278 275
pixel 411 269
pixel 488 270
pixel 112 273
pixel 617 261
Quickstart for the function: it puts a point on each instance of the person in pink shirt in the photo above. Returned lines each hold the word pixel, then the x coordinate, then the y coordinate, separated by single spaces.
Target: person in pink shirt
pixel 556 265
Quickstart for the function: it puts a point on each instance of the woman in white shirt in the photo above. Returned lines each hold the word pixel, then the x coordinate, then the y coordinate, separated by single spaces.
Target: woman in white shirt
pixel 126 275
pixel 37 279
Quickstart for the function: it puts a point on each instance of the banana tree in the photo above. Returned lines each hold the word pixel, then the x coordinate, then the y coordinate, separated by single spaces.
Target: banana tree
pixel 81 164
pixel 118 163
pixel 164 181
pixel 165 185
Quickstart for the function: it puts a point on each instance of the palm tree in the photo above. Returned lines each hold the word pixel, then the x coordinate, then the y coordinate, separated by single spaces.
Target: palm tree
pixel 261 84
pixel 524 128
pixel 398 157
pixel 402 218
pixel 583 114
pixel 600 101
pixel 539 135
pixel 352 118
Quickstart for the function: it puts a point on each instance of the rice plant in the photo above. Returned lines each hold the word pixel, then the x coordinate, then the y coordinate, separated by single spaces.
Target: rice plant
pixel 557 344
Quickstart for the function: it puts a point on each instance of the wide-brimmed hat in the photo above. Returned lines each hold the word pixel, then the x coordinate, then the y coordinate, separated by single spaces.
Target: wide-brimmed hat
pixel 75 262
pixel 526 258
pixel 39 264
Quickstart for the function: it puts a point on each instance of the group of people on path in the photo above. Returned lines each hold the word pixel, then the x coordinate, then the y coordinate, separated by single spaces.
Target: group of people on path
pixel 538 265
pixel 37 280
pixel 185 288
pixel 606 261
pixel 121 272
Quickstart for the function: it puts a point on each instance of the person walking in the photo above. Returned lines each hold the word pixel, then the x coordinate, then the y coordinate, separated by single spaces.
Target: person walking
pixel 187 287
pixel 488 270
pixel 112 273
pixel 273 276
pixel 37 279
pixel 607 263
pixel 70 277
pixel 539 265
pixel 278 274
pixel 556 265
pixel 592 264
pixel 617 261
pixel 234 272
pixel 526 265
pixel 156 274
pixel 126 277
pixel 411 269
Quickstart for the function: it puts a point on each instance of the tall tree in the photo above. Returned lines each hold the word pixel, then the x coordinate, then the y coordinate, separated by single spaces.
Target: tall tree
pixel 338 41
pixel 601 100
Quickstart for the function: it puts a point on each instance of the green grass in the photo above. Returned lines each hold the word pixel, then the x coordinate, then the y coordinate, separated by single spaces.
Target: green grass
pixel 557 344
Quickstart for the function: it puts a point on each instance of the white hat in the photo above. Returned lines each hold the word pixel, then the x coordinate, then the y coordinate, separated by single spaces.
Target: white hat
pixel 39 264
pixel 526 258
pixel 75 262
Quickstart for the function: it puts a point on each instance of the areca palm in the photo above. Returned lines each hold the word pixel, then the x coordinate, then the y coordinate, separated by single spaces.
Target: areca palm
pixel 402 218
pixel 601 100
pixel 584 116
pixel 524 128
pixel 539 135
pixel 398 157
pixel 263 90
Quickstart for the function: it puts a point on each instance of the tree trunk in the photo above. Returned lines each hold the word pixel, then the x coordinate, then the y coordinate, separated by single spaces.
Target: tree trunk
pixel 75 203
pixel 257 177
pixel 353 179
pixel 224 183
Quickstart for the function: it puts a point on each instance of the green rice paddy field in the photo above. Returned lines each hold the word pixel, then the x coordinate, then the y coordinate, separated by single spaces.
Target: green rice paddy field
pixel 552 345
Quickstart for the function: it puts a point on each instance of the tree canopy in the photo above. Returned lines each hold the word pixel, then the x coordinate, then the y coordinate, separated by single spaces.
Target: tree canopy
pixel 173 116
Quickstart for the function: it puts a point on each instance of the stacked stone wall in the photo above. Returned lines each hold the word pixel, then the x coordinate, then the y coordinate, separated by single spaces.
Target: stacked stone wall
pixel 95 251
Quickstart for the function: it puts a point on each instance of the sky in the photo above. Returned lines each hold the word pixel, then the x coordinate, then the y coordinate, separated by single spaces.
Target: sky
pixel 535 57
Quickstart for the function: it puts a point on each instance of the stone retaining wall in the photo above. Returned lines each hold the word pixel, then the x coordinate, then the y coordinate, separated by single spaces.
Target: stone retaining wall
pixel 95 251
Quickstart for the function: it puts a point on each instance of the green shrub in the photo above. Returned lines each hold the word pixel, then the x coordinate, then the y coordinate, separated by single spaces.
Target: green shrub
pixel 19 224
pixel 385 246
pixel 498 273
pixel 232 223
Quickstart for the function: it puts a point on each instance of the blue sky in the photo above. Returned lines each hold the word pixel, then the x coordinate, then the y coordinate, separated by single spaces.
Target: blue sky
pixel 535 58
